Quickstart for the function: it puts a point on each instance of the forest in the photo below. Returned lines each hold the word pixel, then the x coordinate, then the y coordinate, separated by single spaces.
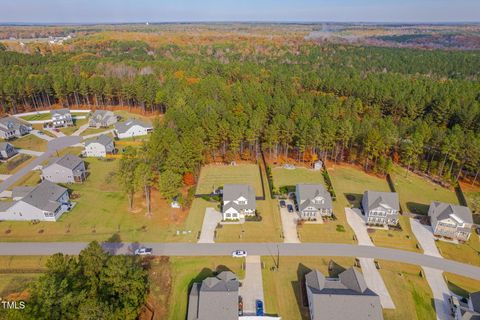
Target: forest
pixel 227 96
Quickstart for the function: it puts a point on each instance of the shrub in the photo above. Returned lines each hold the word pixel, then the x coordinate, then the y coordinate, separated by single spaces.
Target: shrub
pixel 340 228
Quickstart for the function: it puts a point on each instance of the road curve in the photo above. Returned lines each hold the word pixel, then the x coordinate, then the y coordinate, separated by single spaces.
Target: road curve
pixel 262 249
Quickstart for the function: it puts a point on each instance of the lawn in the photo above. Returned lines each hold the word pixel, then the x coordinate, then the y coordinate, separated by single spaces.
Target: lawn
pixel 102 211
pixel 16 272
pixel 77 124
pixel 284 177
pixel 462 286
pixel 187 270
pixel 472 194
pixel 127 115
pixel 468 252
pixel 30 142
pixel 31 179
pixel 214 176
pixel 90 131
pixel 15 164
pixel 410 292
pixel 417 193
pixel 282 287
pixel 38 117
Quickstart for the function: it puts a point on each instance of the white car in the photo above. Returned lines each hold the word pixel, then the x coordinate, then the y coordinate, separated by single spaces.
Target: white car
pixel 143 251
pixel 239 254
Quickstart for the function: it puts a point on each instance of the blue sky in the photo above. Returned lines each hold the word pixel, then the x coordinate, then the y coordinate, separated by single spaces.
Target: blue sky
pixel 92 11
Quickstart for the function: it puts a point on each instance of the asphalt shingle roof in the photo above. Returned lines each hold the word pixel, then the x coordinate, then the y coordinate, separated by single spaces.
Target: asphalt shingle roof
pixel 443 211
pixel 102 139
pixel 378 198
pixel 45 195
pixel 68 161
pixel 308 192
pixel 123 127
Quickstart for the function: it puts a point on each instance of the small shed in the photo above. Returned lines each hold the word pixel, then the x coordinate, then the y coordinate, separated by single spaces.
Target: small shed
pixel 317 165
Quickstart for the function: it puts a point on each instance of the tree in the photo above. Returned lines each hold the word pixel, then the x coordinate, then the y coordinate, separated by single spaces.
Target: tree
pixel 170 183
pixel 126 172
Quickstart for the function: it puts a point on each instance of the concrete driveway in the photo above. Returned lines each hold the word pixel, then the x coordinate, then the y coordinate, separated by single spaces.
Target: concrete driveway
pixel 424 235
pixel 289 224
pixel 252 286
pixel 356 221
pixel 80 130
pixel 41 135
pixel 210 220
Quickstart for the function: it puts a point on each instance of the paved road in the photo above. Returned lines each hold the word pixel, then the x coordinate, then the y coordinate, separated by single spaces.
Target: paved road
pixel 53 146
pixel 260 249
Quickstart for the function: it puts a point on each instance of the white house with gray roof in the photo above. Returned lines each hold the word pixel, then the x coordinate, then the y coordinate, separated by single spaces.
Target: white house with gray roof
pixel 7 151
pixel 381 208
pixel 99 146
pixel 450 221
pixel 61 118
pixel 132 128
pixel 102 119
pixel 344 298
pixel 313 201
pixel 44 202
pixel 238 201
pixel 67 169
pixel 11 127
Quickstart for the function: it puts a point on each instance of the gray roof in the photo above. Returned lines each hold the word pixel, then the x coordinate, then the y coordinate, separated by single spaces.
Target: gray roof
pixel 44 196
pixel 102 139
pixel 68 161
pixel 475 297
pixel 378 198
pixel 441 211
pixel 14 122
pixel 123 127
pixel 232 192
pixel 346 297
pixel 215 298
pixel 4 205
pixel 62 112
pixel 102 115
pixel 306 193
pixel 20 192
pixel 3 146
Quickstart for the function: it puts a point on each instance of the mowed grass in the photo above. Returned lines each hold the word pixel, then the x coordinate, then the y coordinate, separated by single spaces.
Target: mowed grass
pixel 37 117
pixel 30 142
pixel 187 270
pixel 214 176
pixel 18 162
pixel 410 292
pixel 468 252
pixel 32 178
pixel 90 131
pixel 285 177
pixel 460 285
pixel 77 123
pixel 17 272
pixel 127 115
pixel 417 193
pixel 102 211
pixel 282 287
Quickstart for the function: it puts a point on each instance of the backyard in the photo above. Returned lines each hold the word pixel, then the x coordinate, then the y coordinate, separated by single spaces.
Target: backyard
pixel 37 117
pixel 290 177
pixel 472 195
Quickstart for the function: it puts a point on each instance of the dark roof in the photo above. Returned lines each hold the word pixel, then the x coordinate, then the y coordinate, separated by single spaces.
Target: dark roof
pixel 441 211
pixel 68 161
pixel 475 298
pixel 44 196
pixel 123 127
pixel 4 145
pixel 306 193
pixel 102 139
pixel 377 199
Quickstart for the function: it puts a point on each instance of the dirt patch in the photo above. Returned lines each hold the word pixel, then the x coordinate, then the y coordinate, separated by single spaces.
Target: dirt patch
pixel 332 165
pixel 467 187
pixel 160 288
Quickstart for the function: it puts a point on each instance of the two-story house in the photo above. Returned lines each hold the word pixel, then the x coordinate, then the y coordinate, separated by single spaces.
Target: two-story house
pixel 67 169
pixel 99 146
pixel 450 221
pixel 132 128
pixel 313 201
pixel 61 118
pixel 102 119
pixel 238 201
pixel 7 151
pixel 381 208
pixel 45 202
pixel 469 310
pixel 12 127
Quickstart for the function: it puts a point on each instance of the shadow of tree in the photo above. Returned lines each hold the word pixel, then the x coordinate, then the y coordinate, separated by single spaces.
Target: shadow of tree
pixel 355 199
pixel 418 208
pixel 113 244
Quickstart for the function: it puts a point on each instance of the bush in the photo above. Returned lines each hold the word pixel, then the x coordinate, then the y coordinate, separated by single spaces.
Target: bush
pixel 340 228
pixel 329 184
pixel 256 218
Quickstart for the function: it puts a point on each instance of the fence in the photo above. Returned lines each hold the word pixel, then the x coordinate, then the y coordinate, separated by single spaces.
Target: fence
pixel 391 185
pixel 328 181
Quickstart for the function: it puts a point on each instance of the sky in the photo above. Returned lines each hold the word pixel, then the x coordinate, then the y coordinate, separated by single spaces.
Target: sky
pixel 118 11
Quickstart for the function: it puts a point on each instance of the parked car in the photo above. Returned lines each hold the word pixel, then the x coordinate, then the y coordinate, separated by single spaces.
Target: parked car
pixel 259 308
pixel 290 208
pixel 240 306
pixel 239 254
pixel 143 251
pixel 283 204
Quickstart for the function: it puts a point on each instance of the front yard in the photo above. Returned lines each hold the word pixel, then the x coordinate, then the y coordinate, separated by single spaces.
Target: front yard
pixel 16 163
pixel 468 252
pixel 30 142
pixel 77 124
pixel 462 286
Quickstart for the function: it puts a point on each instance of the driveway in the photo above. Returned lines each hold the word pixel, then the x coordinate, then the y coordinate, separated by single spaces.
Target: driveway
pixel 30 152
pixel 210 221
pixel 252 286
pixel 41 135
pixel 5 176
pixel 59 134
pixel 97 134
pixel 424 235
pixel 289 224
pixel 80 130
pixel 372 276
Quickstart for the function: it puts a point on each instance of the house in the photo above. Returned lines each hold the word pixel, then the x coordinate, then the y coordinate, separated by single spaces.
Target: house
pixel 313 201
pixel 45 202
pixel 469 310
pixel 102 119
pixel 132 128
pixel 238 201
pixel 381 208
pixel 61 118
pixel 344 298
pixel 450 221
pixel 67 169
pixel 7 151
pixel 12 127
pixel 99 146
pixel 214 298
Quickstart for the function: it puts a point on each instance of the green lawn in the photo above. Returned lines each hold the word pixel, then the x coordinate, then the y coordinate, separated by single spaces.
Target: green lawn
pixel 16 272
pixel 30 142
pixel 187 270
pixel 127 115
pixel 417 193
pixel 462 286
pixel 38 117
pixel 468 252
pixel 31 179
pixel 77 124
pixel 410 292
pixel 90 131
pixel 102 211
pixel 214 176
pixel 285 177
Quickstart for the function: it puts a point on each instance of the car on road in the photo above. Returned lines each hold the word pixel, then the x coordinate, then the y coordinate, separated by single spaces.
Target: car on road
pixel 143 251
pixel 239 254
pixel 290 208
pixel 283 204
pixel 259 308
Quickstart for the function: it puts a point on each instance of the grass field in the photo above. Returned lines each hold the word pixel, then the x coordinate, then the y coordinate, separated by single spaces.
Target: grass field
pixel 410 292
pixel 94 131
pixel 17 272
pixel 417 193
pixel 462 286
pixel 102 211
pixel 30 142
pixel 32 178
pixel 472 194
pixel 213 176
pixel 187 270
pixel 17 163
pixel 127 115
pixel 285 177
pixel 38 117
pixel 468 252
pixel 77 124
